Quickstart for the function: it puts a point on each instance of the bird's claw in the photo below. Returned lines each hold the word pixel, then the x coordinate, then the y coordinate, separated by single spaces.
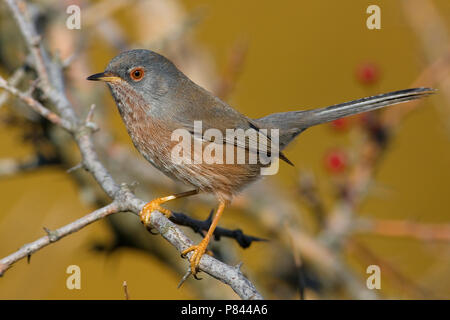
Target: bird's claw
pixel 154 205
pixel 198 251
pixel 196 277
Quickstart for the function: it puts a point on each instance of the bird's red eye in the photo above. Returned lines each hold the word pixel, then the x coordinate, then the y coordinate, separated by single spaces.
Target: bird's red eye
pixel 137 74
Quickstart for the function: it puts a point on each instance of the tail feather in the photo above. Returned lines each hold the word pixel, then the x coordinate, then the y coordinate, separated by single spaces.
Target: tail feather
pixel 294 122
pixel 318 116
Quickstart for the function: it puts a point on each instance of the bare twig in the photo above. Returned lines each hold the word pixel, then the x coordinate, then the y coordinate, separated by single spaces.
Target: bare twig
pixel 403 228
pixel 12 81
pixel 299 266
pixel 36 106
pixel 233 68
pixel 125 290
pixel 32 38
pixel 55 235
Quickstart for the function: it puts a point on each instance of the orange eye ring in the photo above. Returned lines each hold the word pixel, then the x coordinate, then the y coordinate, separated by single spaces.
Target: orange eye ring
pixel 137 74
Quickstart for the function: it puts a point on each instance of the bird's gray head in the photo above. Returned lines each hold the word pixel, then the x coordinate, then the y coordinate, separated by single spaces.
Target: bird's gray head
pixel 140 74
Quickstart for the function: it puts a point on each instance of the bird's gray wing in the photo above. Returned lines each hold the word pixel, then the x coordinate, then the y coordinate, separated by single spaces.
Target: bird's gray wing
pixel 216 114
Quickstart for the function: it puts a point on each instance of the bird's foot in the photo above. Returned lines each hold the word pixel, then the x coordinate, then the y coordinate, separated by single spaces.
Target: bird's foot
pixel 198 251
pixel 150 207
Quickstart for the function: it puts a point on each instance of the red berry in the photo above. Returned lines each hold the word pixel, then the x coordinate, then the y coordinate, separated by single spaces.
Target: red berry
pixel 340 124
pixel 336 161
pixel 368 73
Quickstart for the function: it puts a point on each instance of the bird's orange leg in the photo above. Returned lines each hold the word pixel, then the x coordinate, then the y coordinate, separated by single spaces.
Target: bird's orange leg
pixel 200 249
pixel 156 205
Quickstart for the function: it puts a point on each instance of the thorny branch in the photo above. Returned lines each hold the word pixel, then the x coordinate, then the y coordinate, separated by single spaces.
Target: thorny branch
pixel 123 198
pixel 55 235
pixel 36 106
pixel 200 227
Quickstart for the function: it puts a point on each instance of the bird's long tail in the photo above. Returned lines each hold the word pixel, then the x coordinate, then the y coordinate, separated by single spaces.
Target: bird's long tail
pixel 293 122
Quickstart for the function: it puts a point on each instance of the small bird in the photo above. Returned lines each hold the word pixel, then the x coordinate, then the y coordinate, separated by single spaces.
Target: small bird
pixel 155 98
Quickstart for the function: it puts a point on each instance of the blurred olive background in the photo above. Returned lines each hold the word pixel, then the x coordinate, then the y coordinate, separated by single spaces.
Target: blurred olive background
pixel 301 54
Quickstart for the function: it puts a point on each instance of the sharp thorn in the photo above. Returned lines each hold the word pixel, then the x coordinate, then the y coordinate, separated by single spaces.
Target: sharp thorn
pixel 186 275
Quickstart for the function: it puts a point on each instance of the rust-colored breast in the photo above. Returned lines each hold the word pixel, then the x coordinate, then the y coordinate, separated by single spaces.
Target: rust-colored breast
pixel 153 140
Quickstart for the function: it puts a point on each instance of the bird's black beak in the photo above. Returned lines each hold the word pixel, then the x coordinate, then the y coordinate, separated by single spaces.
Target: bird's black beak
pixel 103 76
